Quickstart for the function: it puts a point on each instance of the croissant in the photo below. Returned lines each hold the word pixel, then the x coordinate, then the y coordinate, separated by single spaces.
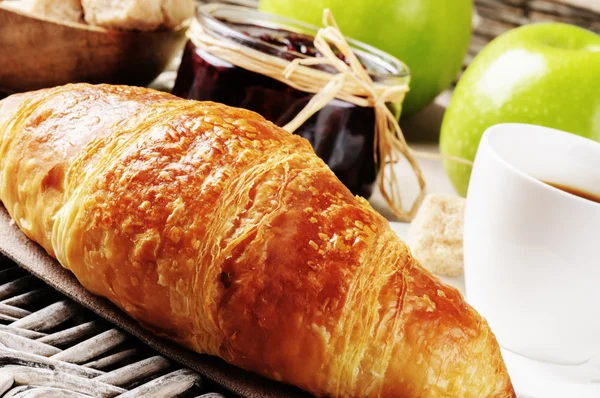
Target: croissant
pixel 217 229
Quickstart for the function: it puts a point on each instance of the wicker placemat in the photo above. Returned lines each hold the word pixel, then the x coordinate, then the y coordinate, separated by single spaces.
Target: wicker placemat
pixel 51 346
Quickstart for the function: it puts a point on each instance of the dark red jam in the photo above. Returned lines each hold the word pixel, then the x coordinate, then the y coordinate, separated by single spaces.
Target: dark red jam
pixel 289 44
pixel 341 133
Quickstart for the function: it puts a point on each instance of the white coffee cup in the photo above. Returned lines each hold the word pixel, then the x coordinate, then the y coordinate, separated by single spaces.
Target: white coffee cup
pixel 532 251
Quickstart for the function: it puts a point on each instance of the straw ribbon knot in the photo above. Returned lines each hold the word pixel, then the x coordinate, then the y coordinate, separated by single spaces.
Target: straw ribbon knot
pixel 352 83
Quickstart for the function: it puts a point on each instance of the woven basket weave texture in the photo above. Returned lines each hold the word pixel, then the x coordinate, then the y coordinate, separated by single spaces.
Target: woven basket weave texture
pixel 495 17
pixel 51 346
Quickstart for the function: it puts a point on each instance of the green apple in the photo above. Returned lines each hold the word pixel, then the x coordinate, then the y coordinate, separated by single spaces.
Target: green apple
pixel 546 74
pixel 430 36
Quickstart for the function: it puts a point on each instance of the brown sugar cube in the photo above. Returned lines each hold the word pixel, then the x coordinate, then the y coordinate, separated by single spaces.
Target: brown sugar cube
pixel 435 235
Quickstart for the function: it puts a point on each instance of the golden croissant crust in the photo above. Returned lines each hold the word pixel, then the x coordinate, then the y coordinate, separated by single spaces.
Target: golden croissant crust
pixel 219 230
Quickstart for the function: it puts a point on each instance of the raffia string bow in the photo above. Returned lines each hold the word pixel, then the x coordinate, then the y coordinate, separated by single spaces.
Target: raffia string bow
pixel 351 83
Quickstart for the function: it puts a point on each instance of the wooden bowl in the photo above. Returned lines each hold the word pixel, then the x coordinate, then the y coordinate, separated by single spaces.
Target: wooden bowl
pixel 37 52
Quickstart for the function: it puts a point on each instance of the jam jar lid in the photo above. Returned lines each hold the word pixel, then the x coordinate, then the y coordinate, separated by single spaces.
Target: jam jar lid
pixel 290 39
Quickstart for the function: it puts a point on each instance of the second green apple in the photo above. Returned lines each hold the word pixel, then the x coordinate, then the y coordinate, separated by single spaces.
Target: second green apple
pixel 545 74
pixel 430 36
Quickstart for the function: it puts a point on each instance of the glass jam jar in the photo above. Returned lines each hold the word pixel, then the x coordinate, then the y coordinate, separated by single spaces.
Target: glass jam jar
pixel 341 133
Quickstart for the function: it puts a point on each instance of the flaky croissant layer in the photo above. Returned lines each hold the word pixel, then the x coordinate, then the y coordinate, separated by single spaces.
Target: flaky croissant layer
pixel 223 232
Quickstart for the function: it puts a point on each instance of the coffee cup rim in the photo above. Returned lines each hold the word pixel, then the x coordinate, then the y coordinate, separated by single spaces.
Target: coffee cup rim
pixel 492 133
